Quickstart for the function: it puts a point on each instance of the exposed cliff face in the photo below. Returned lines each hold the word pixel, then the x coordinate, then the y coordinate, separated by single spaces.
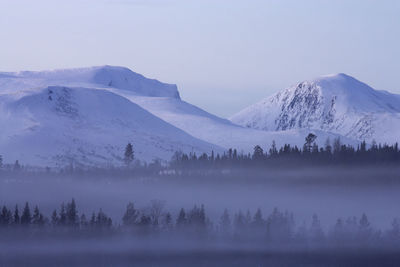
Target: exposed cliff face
pixel 336 103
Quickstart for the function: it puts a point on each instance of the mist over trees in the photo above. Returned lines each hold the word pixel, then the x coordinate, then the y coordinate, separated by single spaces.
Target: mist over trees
pixel 239 190
pixel 276 228
pixel 333 152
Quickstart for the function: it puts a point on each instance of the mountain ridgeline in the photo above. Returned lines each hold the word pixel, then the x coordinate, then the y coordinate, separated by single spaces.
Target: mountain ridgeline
pixel 86 116
pixel 337 103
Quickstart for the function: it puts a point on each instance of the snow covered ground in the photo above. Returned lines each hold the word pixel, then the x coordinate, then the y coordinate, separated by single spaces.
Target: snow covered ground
pixel 336 103
pixel 44 124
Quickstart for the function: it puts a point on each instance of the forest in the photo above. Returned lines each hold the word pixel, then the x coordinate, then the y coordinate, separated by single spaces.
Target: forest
pixel 279 229
pixel 335 204
pixel 333 153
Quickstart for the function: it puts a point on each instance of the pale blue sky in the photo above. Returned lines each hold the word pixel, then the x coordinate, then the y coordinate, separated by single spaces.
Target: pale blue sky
pixel 223 54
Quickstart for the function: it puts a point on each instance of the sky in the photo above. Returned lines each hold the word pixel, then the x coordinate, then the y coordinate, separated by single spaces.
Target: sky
pixel 223 54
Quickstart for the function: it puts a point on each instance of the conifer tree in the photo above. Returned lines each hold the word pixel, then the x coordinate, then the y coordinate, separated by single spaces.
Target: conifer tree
pixel 131 215
pixel 316 232
pixel 328 147
pixel 239 223
pixel 336 145
pixel 181 221
pixel 36 216
pixel 225 224
pixel 71 214
pixel 129 154
pixel 63 215
pixel 17 166
pixel 167 222
pixel 83 221
pixel 258 221
pixel 16 217
pixel 364 229
pixel 258 153
pixel 92 222
pixel 54 218
pixel 26 215
pixel 5 216
pixel 273 151
pixel 309 142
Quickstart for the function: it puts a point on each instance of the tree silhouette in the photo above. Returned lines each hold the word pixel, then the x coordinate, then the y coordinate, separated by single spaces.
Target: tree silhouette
pixel 16 217
pixel 129 154
pixel 131 215
pixel 309 142
pixel 258 153
pixel 26 215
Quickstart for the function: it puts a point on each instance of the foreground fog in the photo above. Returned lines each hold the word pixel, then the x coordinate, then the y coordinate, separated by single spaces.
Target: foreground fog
pixel 329 192
pixel 340 214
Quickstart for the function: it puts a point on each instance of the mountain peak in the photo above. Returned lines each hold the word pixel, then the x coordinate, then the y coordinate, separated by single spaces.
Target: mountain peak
pixel 339 75
pixel 98 76
pixel 342 79
pixel 341 84
pixel 337 103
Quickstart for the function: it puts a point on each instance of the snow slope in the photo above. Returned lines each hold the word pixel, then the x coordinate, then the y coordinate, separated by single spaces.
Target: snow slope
pixel 56 125
pixel 335 103
pixel 222 132
pixel 92 77
pixel 88 115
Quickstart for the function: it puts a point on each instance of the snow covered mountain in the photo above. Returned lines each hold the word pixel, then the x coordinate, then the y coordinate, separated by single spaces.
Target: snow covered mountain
pixel 219 131
pixel 222 132
pixel 44 124
pixel 92 77
pixel 87 116
pixel 336 103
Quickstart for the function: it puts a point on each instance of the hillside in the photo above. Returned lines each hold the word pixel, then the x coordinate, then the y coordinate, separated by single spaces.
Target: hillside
pixel 336 103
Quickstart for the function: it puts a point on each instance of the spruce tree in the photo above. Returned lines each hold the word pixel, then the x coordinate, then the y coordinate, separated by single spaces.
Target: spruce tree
pixel 71 214
pixel 181 221
pixel 5 216
pixel 258 153
pixel 17 166
pixel 336 145
pixel 26 215
pixel 309 142
pixel 316 232
pixel 225 223
pixel 364 229
pixel 54 218
pixel 16 218
pixel 63 215
pixel 36 216
pixel 167 222
pixel 131 215
pixel 92 222
pixel 83 221
pixel 328 147
pixel 273 151
pixel 239 223
pixel 258 221
pixel 129 154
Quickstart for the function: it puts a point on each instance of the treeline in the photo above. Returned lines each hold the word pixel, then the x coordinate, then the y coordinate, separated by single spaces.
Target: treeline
pixel 277 228
pixel 331 153
pixel 310 154
pixel 67 216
